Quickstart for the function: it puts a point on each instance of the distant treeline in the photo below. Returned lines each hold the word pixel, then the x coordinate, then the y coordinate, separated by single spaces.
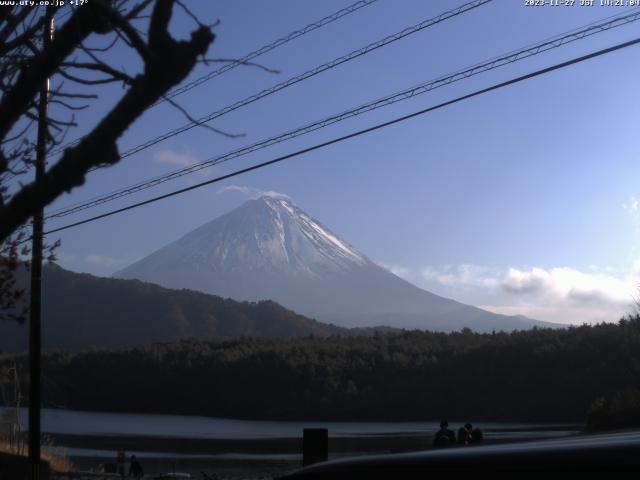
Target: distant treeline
pixel 538 375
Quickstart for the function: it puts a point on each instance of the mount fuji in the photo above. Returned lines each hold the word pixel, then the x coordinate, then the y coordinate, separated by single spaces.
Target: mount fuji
pixel 270 249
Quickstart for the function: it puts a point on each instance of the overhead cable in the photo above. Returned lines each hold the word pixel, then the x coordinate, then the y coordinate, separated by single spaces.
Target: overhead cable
pixel 252 56
pixel 308 74
pixel 358 133
pixel 491 64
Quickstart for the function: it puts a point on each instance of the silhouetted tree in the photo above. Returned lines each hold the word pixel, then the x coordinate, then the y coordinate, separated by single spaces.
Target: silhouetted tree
pixel 77 62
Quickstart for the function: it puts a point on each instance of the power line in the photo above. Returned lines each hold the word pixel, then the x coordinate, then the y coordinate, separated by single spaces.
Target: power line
pixel 267 48
pixel 251 56
pixel 403 95
pixel 496 62
pixel 309 74
pixel 304 76
pixel 358 133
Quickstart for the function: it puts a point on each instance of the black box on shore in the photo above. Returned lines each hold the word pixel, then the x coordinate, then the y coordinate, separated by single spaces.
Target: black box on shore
pixel 315 445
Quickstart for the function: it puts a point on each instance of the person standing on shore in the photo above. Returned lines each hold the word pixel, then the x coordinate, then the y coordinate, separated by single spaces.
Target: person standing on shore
pixel 465 434
pixel 444 436
pixel 477 436
pixel 120 459
pixel 135 469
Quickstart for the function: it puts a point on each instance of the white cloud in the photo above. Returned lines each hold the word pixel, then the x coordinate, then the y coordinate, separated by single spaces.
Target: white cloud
pixel 173 158
pixel 396 269
pixel 568 295
pixel 571 285
pixel 519 282
pixel 632 205
pixel 560 294
pixel 465 275
pixel 184 160
pixel 105 261
pixel 252 192
pixel 560 313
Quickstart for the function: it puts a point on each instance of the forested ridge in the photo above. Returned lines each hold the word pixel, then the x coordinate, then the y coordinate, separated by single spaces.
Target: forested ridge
pixel 540 375
pixel 81 311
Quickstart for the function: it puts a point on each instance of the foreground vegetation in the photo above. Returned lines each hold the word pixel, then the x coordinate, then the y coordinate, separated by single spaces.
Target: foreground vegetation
pixel 538 375
pixel 618 410
pixel 10 454
pixel 13 442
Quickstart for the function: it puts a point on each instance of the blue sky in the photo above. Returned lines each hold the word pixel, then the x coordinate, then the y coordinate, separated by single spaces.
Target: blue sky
pixel 524 200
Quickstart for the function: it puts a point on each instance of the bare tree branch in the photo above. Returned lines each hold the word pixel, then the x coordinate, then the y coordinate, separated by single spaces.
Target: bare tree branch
pixel 84 21
pixel 135 11
pixel 239 62
pixel 200 124
pixel 166 63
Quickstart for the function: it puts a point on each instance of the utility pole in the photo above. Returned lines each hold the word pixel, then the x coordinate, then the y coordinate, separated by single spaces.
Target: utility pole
pixel 35 340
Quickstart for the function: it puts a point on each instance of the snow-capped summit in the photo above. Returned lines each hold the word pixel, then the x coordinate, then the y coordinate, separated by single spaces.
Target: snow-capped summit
pixel 268 248
pixel 273 233
pixel 265 235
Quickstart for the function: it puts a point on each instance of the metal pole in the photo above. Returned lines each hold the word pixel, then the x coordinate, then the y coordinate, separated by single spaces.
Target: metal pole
pixel 315 445
pixel 35 343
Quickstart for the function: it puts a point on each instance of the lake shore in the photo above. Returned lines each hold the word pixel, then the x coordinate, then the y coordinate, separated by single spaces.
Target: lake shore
pixel 232 448
pixel 259 457
pixel 354 443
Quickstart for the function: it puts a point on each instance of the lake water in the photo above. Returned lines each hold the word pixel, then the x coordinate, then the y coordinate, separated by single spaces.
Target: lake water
pixel 180 426
pixel 205 442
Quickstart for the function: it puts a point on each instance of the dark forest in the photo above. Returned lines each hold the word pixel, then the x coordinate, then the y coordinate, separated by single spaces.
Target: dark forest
pixel 540 375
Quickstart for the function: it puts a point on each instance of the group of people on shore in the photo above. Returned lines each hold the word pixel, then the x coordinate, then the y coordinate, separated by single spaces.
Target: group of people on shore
pixel 135 468
pixel 466 435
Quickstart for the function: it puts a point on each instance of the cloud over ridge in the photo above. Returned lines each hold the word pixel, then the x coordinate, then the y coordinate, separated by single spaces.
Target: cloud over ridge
pixel 252 192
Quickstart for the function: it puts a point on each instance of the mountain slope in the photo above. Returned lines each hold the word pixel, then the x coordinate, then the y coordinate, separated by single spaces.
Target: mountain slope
pixel 80 311
pixel 270 249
